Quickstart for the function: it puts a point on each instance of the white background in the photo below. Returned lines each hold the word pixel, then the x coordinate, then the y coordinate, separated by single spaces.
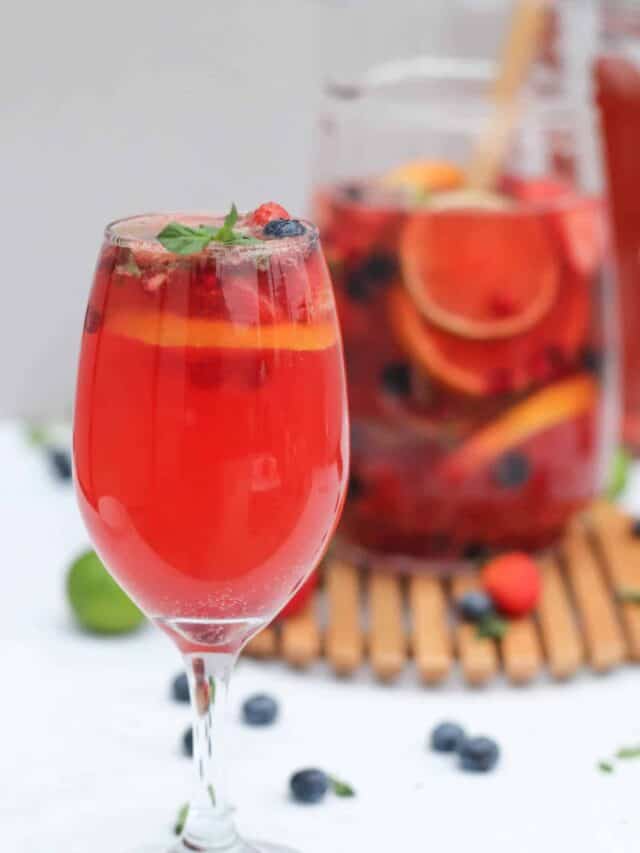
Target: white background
pixel 117 107
pixel 89 738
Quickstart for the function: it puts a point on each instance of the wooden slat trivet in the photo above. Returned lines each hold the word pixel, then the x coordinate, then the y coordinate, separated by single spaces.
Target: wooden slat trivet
pixel 579 619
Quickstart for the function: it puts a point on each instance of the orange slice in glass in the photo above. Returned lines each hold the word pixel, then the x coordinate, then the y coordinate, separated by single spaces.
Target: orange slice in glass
pixel 479 274
pixel 173 330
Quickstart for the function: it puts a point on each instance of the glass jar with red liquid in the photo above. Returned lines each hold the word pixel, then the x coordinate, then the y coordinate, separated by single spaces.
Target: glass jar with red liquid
pixel 477 323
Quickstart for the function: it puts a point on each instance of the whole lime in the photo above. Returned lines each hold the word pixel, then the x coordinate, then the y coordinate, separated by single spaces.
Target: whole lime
pixel 97 601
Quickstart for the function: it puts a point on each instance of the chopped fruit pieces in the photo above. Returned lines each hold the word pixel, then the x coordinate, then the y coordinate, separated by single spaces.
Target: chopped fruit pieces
pixel 284 228
pixel 266 212
pixel 563 401
pixel 425 176
pixel 477 276
pixel 259 710
pixel 172 330
pixel 447 737
pixel 582 232
pixel 513 582
pixel 479 754
pixel 303 596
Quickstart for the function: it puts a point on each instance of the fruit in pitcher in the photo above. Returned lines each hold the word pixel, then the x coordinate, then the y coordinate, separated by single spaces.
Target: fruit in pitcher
pixel 425 176
pixel 479 275
pixel 562 401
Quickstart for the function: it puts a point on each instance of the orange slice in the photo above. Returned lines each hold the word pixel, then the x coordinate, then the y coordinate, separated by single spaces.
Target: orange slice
pixel 479 274
pixel 553 405
pixel 425 176
pixel 172 330
pixel 479 367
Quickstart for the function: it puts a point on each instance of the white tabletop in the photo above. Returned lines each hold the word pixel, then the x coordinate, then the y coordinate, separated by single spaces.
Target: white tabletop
pixel 90 739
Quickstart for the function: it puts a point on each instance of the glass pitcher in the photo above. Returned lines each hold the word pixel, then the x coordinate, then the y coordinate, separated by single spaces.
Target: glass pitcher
pixel 478 323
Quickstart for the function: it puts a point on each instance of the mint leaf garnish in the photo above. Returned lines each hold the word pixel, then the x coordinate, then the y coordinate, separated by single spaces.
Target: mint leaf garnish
pixel 628 752
pixel 493 627
pixel 341 789
pixel 605 767
pixel 37 435
pixel 181 819
pixel 629 595
pixel 184 240
pixel 618 473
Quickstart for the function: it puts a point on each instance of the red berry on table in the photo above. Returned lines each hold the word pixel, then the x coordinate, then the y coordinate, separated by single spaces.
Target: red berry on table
pixel 266 212
pixel 513 582
pixel 302 597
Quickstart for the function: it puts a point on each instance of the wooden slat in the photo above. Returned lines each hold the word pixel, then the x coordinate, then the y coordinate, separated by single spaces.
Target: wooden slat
pixel 560 637
pixel 387 641
pixel 601 629
pixel 431 637
pixel 621 557
pixel 300 637
pixel 521 652
pixel 263 645
pixel 344 641
pixel 478 655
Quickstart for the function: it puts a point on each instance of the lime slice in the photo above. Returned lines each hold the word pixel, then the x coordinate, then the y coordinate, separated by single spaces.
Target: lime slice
pixel 97 601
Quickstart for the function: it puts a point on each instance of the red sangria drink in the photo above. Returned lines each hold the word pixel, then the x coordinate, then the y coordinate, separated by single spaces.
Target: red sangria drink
pixel 476 352
pixel 211 441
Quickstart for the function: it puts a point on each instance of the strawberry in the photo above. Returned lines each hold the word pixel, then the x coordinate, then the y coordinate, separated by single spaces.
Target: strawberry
pixel 266 212
pixel 296 605
pixel 513 582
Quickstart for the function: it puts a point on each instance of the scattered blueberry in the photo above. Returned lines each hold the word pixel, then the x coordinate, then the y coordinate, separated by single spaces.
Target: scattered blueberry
pixel 635 528
pixel 475 605
pixel 447 737
pixel 358 288
pixel 309 786
pixel 353 192
pixel 396 378
pixel 475 551
pixel 479 754
pixel 511 470
pixel 284 228
pixel 187 742
pixel 60 463
pixel 592 360
pixel 356 487
pixel 373 273
pixel 180 688
pixel 259 710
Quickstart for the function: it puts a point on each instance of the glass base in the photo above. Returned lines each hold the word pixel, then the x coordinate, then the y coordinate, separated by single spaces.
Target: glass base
pixel 240 847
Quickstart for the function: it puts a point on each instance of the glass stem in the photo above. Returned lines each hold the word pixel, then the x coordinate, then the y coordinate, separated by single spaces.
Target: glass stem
pixel 209 825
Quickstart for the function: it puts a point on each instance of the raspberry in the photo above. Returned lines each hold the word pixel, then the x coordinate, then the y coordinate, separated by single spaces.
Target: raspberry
pixel 513 582
pixel 266 212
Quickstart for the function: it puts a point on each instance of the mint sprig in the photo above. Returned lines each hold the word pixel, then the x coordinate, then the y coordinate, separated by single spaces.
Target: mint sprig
pixel 185 240
pixel 492 627
pixel 341 789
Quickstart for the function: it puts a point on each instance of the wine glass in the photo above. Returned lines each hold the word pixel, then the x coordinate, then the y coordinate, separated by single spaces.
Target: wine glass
pixel 211 443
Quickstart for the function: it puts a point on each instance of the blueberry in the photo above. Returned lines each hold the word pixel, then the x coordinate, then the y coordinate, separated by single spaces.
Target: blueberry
pixel 475 551
pixel 396 378
pixel 187 742
pixel 592 360
pixel 635 528
pixel 284 228
pixel 479 754
pixel 356 488
pixel 447 737
pixel 180 687
pixel 309 786
pixel 353 192
pixel 259 710
pixel 375 272
pixel 357 287
pixel 475 605
pixel 511 470
pixel 60 463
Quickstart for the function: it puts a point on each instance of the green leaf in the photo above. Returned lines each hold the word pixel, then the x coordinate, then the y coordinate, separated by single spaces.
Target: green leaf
pixel 212 794
pixel 184 240
pixel 605 767
pixel 618 473
pixel 181 819
pixel 341 789
pixel 37 435
pixel 131 267
pixel 492 626
pixel 628 752
pixel 629 595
